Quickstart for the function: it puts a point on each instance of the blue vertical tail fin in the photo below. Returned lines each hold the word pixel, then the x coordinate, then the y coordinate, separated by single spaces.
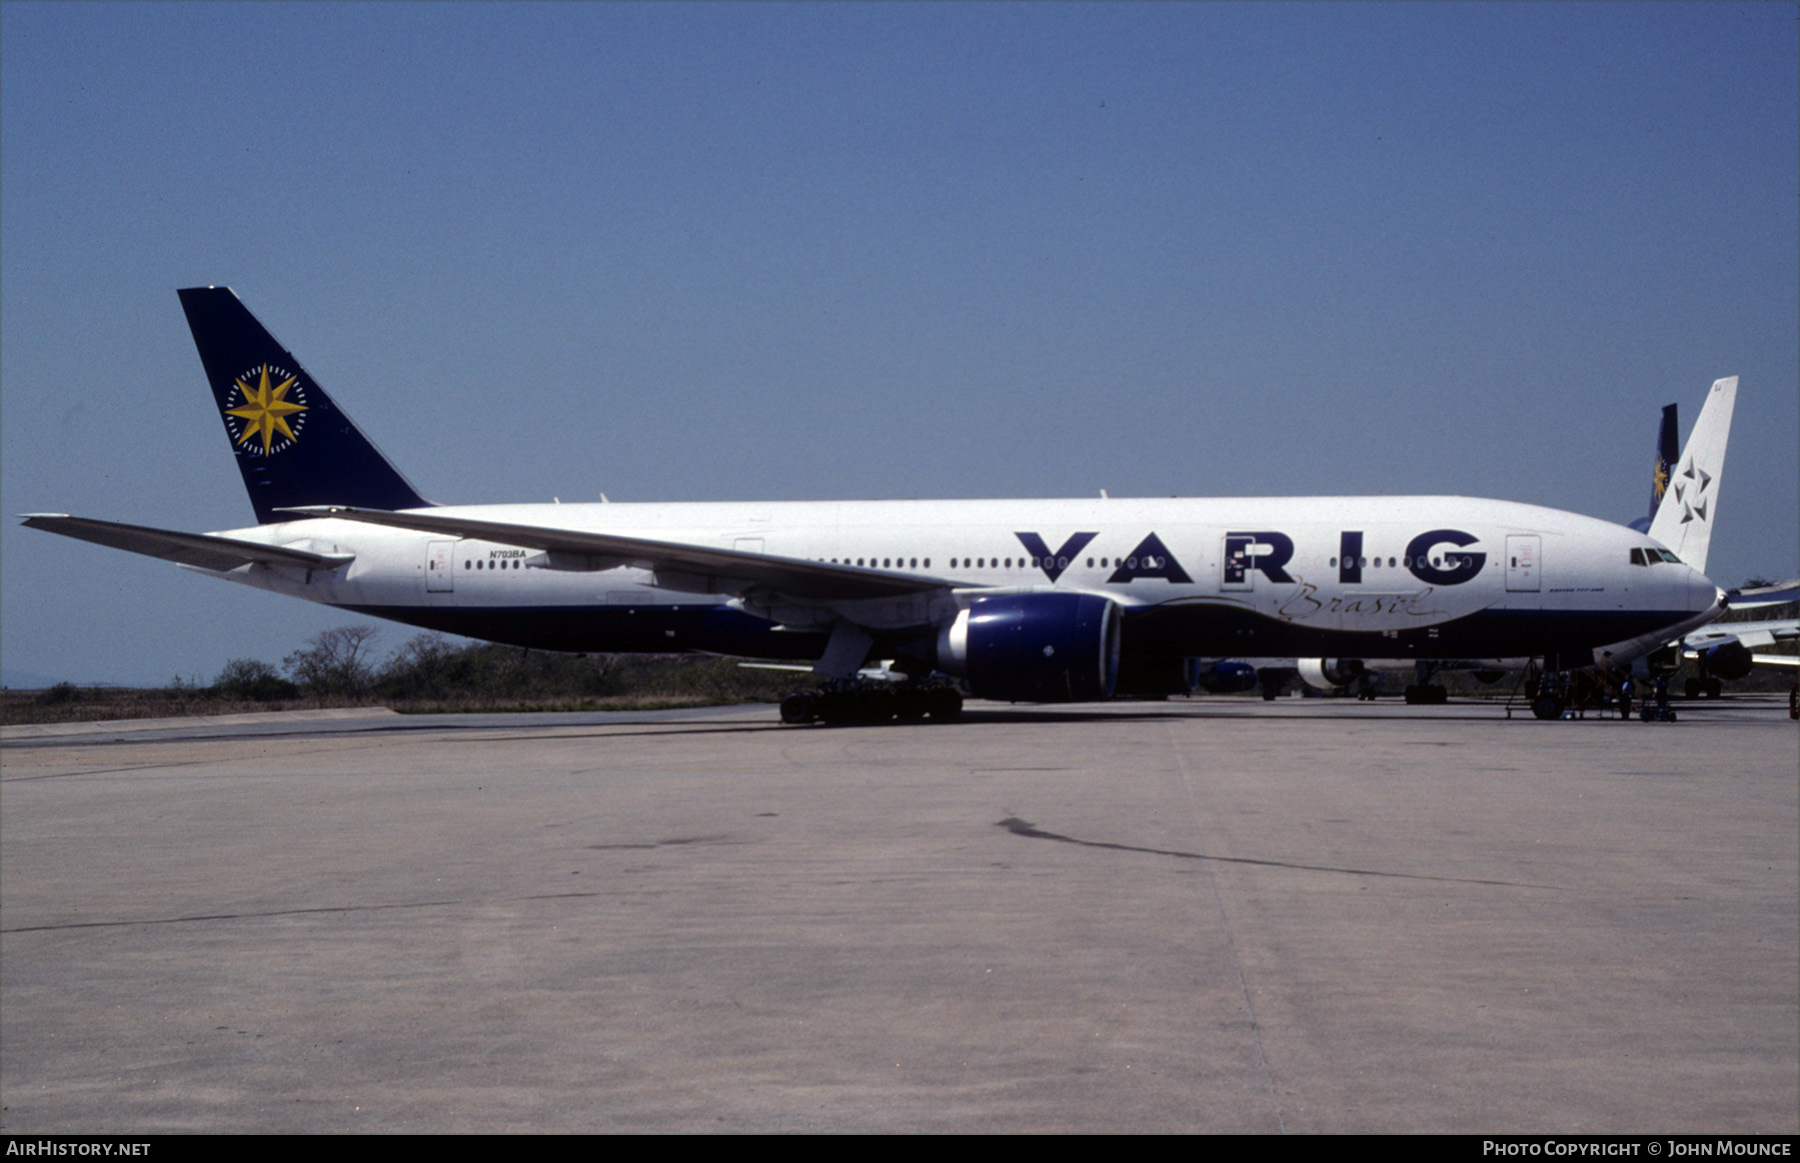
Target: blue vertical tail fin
pixel 292 443
pixel 1667 449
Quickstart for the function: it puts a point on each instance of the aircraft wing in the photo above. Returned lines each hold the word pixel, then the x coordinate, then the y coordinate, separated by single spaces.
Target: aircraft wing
pixel 1726 647
pixel 688 568
pixel 1775 595
pixel 197 549
pixel 1747 633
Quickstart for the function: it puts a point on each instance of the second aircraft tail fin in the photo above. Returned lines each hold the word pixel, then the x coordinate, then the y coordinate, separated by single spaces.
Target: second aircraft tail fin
pixel 1667 450
pixel 1684 520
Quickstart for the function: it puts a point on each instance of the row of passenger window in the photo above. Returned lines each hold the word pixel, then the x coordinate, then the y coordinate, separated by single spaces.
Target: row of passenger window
pixel 1638 557
pixel 1151 562
pixel 993 562
pixel 885 562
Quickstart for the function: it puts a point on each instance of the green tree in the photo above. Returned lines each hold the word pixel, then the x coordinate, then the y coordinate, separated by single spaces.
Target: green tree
pixel 335 662
pixel 252 679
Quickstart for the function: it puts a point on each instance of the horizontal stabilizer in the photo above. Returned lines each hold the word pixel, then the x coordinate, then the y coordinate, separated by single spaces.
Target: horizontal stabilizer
pixel 202 550
pixel 728 571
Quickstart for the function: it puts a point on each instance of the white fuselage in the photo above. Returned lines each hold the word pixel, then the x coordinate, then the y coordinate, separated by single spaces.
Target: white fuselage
pixel 1375 577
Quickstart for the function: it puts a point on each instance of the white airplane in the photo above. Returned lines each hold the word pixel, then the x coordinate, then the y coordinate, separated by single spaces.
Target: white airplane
pixel 1021 600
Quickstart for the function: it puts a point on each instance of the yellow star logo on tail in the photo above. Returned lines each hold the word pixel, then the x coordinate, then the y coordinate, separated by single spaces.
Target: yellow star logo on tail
pixel 266 409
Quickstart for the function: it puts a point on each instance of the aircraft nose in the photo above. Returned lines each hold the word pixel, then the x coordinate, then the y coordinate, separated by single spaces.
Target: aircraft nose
pixel 1702 593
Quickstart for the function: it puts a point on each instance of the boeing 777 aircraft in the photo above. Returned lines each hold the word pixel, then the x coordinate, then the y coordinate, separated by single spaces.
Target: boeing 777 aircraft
pixel 1048 600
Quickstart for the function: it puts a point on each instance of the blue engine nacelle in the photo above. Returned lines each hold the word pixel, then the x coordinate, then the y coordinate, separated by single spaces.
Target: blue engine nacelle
pixel 1034 648
pixel 1226 678
pixel 1726 660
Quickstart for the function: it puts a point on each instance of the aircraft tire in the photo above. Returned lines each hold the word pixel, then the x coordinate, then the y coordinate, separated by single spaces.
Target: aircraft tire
pixel 1547 707
pixel 945 705
pixel 836 708
pixel 911 704
pixel 799 707
pixel 875 705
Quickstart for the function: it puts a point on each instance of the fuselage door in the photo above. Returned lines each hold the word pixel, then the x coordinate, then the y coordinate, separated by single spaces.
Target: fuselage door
pixel 1522 563
pixel 439 577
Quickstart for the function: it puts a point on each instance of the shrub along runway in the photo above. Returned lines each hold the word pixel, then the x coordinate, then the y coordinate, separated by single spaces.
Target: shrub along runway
pixel 1221 915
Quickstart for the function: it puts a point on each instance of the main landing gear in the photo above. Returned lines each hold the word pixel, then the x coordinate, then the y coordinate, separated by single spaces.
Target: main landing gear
pixel 1707 687
pixel 1426 693
pixel 858 701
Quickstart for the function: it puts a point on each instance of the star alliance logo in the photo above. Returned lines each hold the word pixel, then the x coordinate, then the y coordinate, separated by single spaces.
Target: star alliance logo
pixel 273 412
pixel 1697 506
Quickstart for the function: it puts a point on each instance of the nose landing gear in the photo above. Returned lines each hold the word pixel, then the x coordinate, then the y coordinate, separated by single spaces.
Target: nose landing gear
pixel 1555 694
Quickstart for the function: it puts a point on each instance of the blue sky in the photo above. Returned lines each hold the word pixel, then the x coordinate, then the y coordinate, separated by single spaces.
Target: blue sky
pixel 759 251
